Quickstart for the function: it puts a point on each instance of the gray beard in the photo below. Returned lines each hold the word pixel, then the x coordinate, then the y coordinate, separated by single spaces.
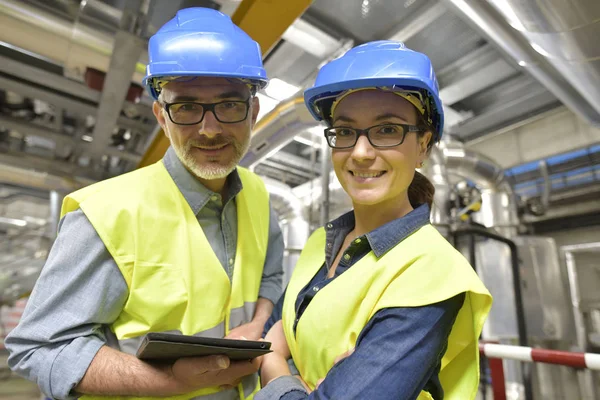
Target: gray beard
pixel 210 171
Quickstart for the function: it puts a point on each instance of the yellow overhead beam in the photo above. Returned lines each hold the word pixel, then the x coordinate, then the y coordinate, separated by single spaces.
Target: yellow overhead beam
pixel 265 21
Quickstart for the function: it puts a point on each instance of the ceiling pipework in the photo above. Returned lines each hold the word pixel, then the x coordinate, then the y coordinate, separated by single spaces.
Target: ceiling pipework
pixel 575 68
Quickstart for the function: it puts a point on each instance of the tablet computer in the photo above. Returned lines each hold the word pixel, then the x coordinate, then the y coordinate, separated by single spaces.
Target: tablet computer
pixel 171 346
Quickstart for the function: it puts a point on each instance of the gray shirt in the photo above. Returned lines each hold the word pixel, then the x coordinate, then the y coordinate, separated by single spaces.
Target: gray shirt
pixel 81 290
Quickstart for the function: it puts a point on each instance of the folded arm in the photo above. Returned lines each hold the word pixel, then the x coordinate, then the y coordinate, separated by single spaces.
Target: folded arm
pixel 406 343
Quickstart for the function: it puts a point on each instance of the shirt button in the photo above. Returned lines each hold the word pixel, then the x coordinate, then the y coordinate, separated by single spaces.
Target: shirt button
pixel 329 226
pixel 346 257
pixel 328 245
pixel 231 261
pixel 214 197
pixel 316 289
pixel 357 241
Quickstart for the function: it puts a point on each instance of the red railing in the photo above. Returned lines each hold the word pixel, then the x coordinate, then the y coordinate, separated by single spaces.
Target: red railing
pixel 497 352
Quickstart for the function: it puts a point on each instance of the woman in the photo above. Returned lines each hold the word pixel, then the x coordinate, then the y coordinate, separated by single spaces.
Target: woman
pixel 378 287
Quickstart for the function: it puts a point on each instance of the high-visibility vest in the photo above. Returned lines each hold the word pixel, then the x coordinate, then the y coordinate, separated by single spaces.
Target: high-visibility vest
pixel 422 269
pixel 176 282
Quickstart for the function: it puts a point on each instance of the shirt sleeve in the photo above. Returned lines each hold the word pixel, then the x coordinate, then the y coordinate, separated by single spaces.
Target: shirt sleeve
pixel 272 278
pixel 410 340
pixel 276 314
pixel 80 292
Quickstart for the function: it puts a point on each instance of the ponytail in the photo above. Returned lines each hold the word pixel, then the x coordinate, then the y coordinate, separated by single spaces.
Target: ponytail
pixel 420 191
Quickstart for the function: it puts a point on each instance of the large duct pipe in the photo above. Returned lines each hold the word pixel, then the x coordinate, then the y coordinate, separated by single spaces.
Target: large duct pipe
pixel 293 220
pixel 435 169
pixel 72 44
pixel 566 32
pixel 278 128
pixel 40 180
pixel 499 207
pixel 491 24
pixel 56 199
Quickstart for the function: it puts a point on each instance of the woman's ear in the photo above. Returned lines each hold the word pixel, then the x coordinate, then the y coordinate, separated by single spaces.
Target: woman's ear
pixel 424 141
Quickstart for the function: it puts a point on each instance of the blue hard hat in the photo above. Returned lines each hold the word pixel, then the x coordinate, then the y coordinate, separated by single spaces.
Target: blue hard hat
pixel 203 42
pixel 380 64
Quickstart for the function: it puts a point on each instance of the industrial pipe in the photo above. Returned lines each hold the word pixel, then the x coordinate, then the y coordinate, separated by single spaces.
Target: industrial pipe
pixel 516 276
pixel 488 21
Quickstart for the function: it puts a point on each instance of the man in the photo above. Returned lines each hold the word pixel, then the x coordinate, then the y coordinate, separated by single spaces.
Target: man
pixel 158 249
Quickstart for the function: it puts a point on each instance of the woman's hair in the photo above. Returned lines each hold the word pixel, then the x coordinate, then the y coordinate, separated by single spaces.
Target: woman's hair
pixel 421 190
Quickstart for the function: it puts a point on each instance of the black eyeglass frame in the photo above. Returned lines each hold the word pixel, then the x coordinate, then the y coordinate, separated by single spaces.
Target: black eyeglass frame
pixel 207 107
pixel 359 132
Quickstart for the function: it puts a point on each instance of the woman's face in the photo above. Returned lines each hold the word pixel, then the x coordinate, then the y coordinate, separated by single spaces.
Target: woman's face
pixel 374 175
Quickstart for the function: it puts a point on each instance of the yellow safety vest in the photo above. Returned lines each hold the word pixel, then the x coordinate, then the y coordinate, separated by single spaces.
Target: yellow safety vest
pixel 176 282
pixel 422 269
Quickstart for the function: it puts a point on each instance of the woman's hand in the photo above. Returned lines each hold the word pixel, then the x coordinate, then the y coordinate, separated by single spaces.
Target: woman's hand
pixel 337 360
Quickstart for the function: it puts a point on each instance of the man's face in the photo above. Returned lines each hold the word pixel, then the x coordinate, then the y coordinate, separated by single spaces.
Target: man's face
pixel 209 149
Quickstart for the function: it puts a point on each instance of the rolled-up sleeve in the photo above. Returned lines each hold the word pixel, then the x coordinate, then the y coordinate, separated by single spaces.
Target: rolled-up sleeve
pixel 272 278
pixel 79 293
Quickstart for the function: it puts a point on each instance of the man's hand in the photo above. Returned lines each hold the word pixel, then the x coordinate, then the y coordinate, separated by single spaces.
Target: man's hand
pixel 198 372
pixel 250 331
pixel 113 373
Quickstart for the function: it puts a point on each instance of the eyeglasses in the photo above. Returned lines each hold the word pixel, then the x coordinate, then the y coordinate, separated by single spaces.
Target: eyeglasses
pixel 388 135
pixel 192 113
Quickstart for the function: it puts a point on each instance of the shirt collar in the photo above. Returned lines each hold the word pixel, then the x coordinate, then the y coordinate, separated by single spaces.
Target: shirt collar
pixel 388 235
pixel 195 193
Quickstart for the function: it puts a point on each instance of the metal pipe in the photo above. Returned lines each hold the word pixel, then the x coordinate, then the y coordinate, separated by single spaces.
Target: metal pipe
pixel 30 196
pixel 543 165
pixel 488 21
pixel 276 129
pixel 40 180
pixel 564 32
pixel 56 199
pixel 516 275
pixel 293 220
pixel 69 43
pixel 436 171
pixel 483 171
pixel 499 202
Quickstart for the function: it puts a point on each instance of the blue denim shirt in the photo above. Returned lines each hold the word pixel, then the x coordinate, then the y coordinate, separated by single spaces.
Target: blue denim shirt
pixel 399 351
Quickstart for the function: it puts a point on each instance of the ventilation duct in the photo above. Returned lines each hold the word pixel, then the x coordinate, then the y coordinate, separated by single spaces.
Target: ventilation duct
pixel 573 52
pixel 564 32
pixel 73 44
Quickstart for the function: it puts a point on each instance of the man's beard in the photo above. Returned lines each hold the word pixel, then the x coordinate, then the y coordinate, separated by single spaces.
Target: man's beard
pixel 212 170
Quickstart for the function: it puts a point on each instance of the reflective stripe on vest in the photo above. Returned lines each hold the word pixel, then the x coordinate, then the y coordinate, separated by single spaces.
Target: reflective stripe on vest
pixel 422 269
pixel 175 280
